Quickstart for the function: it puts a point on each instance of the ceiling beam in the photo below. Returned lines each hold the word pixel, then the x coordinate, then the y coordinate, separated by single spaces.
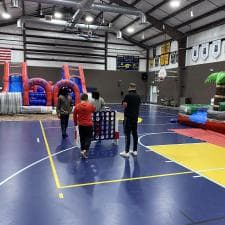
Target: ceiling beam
pixel 222 8
pixel 175 34
pixel 100 14
pixel 119 15
pixel 207 26
pixel 152 37
pixel 148 12
pixel 189 22
pixel 14 20
pixel 170 16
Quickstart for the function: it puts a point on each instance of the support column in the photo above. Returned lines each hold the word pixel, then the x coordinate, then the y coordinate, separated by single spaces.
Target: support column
pixel 181 67
pixel 24 34
pixel 106 49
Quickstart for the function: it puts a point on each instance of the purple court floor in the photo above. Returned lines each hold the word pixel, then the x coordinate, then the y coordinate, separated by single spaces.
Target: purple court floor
pixel 43 181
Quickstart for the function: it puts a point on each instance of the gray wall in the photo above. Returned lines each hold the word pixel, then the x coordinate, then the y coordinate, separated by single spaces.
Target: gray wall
pixel 194 82
pixel 105 81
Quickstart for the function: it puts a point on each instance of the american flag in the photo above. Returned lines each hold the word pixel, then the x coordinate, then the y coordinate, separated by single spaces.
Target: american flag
pixel 5 54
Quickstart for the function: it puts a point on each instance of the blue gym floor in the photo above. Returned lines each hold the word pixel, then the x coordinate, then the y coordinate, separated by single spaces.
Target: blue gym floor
pixel 43 181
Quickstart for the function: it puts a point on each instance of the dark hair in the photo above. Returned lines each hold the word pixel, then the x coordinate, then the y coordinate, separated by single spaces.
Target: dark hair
pixel 63 91
pixel 95 95
pixel 84 97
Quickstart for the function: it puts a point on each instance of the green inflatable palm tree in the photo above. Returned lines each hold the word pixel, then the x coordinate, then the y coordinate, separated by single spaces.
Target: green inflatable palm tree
pixel 219 79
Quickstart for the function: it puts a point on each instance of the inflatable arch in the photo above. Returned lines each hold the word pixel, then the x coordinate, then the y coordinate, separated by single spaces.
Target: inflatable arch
pixel 65 83
pixel 41 82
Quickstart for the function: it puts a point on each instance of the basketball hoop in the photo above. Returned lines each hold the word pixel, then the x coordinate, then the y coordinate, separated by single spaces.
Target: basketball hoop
pixel 161 74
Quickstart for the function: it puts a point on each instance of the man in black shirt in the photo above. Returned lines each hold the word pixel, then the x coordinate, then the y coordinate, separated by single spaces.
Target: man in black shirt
pixel 131 103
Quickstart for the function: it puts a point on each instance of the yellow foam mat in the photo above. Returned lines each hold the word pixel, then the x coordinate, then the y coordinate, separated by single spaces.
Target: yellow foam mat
pixel 206 159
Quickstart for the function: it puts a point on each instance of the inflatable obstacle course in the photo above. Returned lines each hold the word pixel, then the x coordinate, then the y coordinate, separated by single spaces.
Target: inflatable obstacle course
pixel 202 117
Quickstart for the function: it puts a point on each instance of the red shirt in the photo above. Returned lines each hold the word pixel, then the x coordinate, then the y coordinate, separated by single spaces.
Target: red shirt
pixel 82 114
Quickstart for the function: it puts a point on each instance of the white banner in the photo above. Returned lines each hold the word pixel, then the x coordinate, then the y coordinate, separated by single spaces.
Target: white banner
pixel 195 53
pixel 204 51
pixel 216 49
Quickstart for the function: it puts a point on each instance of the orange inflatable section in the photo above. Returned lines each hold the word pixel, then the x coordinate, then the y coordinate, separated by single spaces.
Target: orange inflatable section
pixel 65 83
pixel 41 82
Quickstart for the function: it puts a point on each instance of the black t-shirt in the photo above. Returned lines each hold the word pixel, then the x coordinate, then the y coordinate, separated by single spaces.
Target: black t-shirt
pixel 133 101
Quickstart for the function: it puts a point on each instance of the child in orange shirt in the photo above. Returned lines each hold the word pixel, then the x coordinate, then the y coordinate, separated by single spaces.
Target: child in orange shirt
pixel 83 118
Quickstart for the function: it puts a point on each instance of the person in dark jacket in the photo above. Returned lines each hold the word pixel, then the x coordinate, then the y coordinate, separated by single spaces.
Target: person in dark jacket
pixel 131 104
pixel 64 108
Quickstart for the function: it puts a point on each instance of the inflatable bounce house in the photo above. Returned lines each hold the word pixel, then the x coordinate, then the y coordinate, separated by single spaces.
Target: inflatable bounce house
pixel 72 78
pixel 36 95
pixel 210 117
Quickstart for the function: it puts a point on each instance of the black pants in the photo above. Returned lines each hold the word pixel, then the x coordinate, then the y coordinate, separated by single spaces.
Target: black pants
pixel 130 126
pixel 85 137
pixel 64 123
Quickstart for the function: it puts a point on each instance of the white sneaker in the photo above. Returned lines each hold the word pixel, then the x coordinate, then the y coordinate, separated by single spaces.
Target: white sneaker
pixel 124 154
pixel 134 153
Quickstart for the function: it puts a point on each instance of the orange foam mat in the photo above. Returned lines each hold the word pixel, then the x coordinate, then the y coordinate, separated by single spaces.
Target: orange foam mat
pixel 204 135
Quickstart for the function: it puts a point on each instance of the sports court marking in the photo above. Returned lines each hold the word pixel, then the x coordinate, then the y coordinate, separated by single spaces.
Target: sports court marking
pixel 126 179
pixel 54 172
pixel 205 159
pixel 56 177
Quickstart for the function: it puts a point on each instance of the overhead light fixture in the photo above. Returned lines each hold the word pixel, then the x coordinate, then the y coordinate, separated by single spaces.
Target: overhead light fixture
pixel 192 13
pixel 119 34
pixel 175 3
pixel 130 30
pixel 14 4
pixel 89 19
pixel 6 15
pixel 58 15
pixel 19 23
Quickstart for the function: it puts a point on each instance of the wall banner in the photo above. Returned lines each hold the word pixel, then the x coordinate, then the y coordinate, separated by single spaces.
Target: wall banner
pixel 216 49
pixel 204 51
pixel 195 53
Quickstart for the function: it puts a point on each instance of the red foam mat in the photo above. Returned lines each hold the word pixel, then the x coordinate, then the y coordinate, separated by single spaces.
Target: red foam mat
pixel 204 135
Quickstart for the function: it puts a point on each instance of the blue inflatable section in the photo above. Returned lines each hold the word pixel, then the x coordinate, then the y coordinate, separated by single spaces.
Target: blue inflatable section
pixel 73 97
pixel 37 98
pixel 62 74
pixel 77 81
pixel 15 83
pixel 199 117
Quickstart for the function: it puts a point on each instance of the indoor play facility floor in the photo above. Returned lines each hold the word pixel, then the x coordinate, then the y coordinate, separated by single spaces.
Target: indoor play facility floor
pixel 176 179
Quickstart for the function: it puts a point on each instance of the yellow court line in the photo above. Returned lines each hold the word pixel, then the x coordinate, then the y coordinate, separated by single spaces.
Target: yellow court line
pixel 54 173
pixel 125 179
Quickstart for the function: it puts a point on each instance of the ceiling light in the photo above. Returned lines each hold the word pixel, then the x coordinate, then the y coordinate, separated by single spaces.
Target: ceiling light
pixel 130 29
pixel 192 13
pixel 89 19
pixel 58 15
pixel 175 3
pixel 14 4
pixel 6 15
pixel 119 34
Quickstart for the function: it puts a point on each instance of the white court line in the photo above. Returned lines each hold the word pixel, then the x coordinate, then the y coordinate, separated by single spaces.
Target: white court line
pixel 169 161
pixel 75 146
pixel 197 172
pixel 47 157
pixel 196 176
pixel 33 164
